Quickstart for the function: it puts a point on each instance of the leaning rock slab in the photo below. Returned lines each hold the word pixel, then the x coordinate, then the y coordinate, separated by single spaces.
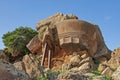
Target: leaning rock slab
pixel 108 71
pixel 32 66
pixel 35 45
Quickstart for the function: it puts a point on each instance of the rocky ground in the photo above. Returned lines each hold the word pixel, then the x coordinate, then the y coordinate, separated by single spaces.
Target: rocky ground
pixel 73 67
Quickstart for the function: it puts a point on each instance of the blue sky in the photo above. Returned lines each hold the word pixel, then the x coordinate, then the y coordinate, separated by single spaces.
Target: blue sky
pixel 105 13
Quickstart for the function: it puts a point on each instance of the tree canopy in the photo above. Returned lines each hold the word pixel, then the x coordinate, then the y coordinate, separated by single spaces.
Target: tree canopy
pixel 16 40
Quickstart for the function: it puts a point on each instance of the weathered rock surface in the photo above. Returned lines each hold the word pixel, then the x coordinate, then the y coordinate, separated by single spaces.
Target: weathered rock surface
pixel 9 72
pixel 74 35
pixel 114 62
pixel 100 77
pixel 116 74
pixel 75 59
pixel 65 35
pixel 19 65
pixel 32 67
pixel 35 45
pixel 78 64
pixel 101 67
pixel 72 76
pixel 77 35
pixel 55 18
pixel 86 65
pixel 3 57
pixel 108 71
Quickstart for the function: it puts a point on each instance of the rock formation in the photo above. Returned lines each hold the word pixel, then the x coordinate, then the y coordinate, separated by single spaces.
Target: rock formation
pixel 54 19
pixel 3 57
pixel 66 34
pixel 9 72
pixel 114 62
pixel 31 66
pixel 74 49
pixel 80 35
pixel 116 74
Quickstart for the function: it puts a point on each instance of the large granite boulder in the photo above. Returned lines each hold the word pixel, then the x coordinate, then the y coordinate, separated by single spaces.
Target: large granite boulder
pixel 9 72
pixel 77 35
pixel 35 44
pixel 73 35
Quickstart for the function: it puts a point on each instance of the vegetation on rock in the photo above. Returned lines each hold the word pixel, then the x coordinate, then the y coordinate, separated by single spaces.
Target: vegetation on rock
pixel 16 40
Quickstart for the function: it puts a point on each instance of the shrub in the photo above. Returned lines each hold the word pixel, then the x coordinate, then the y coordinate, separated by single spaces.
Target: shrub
pixel 42 79
pixel 16 40
pixel 96 72
pixel 108 77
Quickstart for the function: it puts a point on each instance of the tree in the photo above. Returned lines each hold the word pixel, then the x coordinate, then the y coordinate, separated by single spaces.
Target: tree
pixel 16 40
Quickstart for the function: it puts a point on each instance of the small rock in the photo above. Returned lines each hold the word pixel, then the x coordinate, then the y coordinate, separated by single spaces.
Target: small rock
pixel 19 65
pixel 64 66
pixel 88 59
pixel 86 65
pixel 75 59
pixel 101 67
pixel 74 69
pixel 103 60
pixel 101 77
pixel 107 71
pixel 84 56
pixel 89 74
pixel 72 76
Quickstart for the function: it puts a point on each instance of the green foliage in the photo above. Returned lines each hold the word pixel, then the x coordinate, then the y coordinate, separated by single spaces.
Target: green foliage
pixel 42 79
pixel 108 77
pixel 16 40
pixel 51 72
pixel 91 77
pixel 63 71
pixel 96 61
pixel 96 72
